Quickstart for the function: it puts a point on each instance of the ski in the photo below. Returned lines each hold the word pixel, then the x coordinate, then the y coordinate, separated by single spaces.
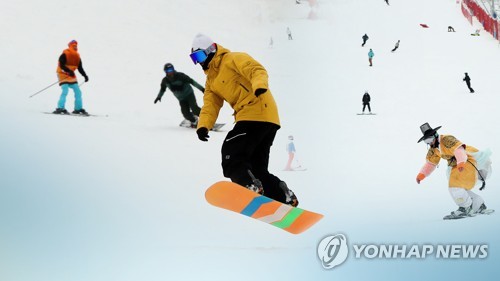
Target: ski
pixel 298 169
pixel 73 114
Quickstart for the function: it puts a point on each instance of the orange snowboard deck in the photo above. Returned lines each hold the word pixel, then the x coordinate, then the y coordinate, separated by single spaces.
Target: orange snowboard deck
pixel 233 197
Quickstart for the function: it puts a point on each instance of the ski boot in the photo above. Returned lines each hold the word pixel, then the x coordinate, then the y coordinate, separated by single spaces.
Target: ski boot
pixel 80 111
pixel 462 212
pixel 291 199
pixel 60 111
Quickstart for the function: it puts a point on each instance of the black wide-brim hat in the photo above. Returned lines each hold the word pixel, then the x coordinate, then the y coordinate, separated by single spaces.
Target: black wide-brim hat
pixel 427 131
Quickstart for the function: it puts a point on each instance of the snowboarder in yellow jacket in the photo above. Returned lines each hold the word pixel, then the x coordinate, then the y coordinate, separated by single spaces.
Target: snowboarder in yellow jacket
pixel 466 167
pixel 241 81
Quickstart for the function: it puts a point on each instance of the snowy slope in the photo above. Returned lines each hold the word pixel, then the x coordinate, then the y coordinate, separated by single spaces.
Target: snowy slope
pixel 122 197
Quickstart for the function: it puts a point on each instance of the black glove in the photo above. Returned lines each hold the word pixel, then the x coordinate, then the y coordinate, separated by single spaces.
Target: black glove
pixel 203 134
pixel 71 73
pixel 260 91
pixel 86 78
pixel 158 98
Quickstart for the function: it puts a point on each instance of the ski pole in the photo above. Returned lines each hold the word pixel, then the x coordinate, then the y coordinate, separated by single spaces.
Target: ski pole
pixel 45 88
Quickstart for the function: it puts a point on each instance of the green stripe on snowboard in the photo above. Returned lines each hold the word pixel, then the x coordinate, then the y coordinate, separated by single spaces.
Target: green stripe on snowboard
pixel 289 218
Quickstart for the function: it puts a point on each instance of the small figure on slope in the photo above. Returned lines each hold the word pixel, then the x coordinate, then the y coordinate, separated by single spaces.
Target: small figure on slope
pixel 395 47
pixel 371 54
pixel 180 85
pixel 467 81
pixel 366 102
pixel 290 149
pixel 69 61
pixel 289 32
pixel 466 166
pixel 365 38
pixel 451 29
pixel 245 150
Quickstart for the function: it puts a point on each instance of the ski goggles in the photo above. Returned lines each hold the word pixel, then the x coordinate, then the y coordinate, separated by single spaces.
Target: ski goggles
pixel 200 56
pixel 169 70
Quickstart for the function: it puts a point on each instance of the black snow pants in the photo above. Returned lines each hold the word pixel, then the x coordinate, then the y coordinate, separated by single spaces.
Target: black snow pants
pixel 366 104
pixel 468 86
pixel 247 147
pixel 189 108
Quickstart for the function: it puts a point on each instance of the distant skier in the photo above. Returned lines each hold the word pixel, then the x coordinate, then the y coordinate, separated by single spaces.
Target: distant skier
pixel 271 42
pixel 371 54
pixel 366 102
pixel 365 38
pixel 69 61
pixel 290 148
pixel 395 47
pixel 241 81
pixel 466 166
pixel 451 29
pixel 289 32
pixel 467 81
pixel 180 85
pixel 387 1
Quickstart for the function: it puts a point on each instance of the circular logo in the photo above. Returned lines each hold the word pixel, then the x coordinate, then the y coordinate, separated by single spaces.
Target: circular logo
pixel 333 250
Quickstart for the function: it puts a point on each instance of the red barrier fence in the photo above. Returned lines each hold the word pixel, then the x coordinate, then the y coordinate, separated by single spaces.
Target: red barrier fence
pixel 466 13
pixel 470 8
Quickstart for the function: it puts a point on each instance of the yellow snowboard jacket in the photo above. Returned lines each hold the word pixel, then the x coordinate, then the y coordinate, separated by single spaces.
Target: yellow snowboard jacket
pixel 447 146
pixel 234 77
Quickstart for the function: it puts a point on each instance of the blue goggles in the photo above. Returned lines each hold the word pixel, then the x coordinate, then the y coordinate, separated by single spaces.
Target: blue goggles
pixel 198 56
pixel 169 70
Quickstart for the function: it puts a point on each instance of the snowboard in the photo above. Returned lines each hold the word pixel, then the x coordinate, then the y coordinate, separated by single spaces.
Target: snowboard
pixel 234 197
pixel 187 124
pixel 485 212
pixel 366 113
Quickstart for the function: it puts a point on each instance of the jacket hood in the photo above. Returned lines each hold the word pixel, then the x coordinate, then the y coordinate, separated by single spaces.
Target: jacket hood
pixel 217 59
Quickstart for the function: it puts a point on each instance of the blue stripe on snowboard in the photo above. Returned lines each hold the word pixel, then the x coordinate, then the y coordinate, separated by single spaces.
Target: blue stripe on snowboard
pixel 255 204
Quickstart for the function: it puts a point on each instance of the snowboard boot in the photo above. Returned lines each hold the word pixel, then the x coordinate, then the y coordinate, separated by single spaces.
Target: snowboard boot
pixel 80 111
pixel 291 199
pixel 194 124
pixel 481 209
pixel 462 212
pixel 256 187
pixel 60 111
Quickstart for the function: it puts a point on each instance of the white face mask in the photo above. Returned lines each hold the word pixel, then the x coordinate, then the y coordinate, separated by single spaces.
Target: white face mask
pixel 429 140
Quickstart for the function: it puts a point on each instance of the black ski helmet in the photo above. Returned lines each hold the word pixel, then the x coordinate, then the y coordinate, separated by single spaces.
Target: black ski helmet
pixel 168 66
